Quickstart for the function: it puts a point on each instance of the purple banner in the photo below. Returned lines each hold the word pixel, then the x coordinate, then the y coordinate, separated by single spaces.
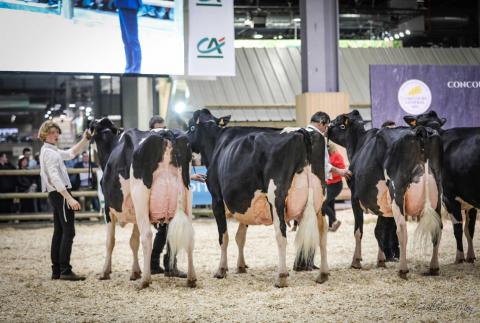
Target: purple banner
pixel 453 91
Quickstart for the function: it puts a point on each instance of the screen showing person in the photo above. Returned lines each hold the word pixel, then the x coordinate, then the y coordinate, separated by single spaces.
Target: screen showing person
pixel 95 36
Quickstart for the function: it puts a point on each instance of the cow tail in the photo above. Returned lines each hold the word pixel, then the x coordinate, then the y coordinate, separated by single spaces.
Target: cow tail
pixel 307 238
pixel 430 226
pixel 180 233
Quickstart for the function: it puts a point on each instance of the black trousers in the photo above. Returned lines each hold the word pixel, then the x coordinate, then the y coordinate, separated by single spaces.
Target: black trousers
pixel 63 233
pixel 158 245
pixel 332 192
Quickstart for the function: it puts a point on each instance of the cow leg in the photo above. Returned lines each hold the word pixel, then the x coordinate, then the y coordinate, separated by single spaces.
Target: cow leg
pixel 219 212
pixel 323 230
pixel 140 197
pixel 277 203
pixel 240 238
pixel 456 217
pixel 469 231
pixel 110 243
pixel 380 234
pixel 358 232
pixel 134 244
pixel 402 239
pixel 434 267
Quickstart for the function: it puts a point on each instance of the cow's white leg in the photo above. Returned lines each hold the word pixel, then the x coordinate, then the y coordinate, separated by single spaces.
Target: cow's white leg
pixel 110 243
pixel 434 267
pixel 240 238
pixel 134 244
pixel 223 266
pixel 281 279
pixel 140 197
pixel 191 276
pixel 358 233
pixel 402 239
pixel 470 219
pixel 323 230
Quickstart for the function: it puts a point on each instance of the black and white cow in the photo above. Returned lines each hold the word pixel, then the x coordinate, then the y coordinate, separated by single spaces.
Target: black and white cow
pixel 396 172
pixel 262 176
pixel 145 180
pixel 460 176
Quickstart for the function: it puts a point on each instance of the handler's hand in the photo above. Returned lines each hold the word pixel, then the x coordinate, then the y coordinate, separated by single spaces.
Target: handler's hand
pixel 87 134
pixel 346 173
pixel 73 204
pixel 198 177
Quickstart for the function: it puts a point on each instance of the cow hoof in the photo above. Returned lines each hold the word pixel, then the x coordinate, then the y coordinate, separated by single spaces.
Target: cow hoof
pixel 192 283
pixel 403 274
pixel 221 273
pixel 135 275
pixel 322 277
pixel 432 272
pixel 356 264
pixel 143 284
pixel 471 260
pixel 104 276
pixel 459 261
pixel 281 280
pixel 381 264
pixel 241 270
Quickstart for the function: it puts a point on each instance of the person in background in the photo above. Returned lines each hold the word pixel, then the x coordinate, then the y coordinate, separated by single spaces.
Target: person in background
pixel 334 187
pixel 127 13
pixel 32 163
pixel 389 124
pixel 157 122
pixel 56 182
pixel 7 184
pixel 319 122
pixel 82 182
pixel 25 184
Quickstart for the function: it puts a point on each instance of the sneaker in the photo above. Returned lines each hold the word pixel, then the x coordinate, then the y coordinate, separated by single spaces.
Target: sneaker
pixel 335 226
pixel 175 273
pixel 157 270
pixel 70 275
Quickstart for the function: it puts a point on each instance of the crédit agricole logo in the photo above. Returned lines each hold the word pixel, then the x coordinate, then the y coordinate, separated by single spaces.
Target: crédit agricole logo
pixel 210 47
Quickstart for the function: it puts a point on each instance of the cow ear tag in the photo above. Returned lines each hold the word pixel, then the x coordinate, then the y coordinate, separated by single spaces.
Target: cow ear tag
pixel 413 123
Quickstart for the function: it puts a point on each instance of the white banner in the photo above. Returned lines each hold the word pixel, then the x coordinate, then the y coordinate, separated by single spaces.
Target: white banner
pixel 211 38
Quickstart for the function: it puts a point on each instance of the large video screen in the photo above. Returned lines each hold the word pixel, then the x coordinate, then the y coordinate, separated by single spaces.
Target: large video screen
pixel 92 36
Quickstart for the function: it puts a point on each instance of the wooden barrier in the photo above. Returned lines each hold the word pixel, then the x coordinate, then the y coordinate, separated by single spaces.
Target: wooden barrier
pixel 33 172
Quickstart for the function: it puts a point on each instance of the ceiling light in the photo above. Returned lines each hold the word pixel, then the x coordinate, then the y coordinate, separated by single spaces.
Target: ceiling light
pixel 258 36
pixel 71 105
pixel 296 19
pixel 407 32
pixel 280 37
pixel 180 107
pixel 391 38
pixel 401 34
pixel 396 36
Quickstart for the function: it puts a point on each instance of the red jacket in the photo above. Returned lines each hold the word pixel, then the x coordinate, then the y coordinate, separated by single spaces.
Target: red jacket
pixel 336 160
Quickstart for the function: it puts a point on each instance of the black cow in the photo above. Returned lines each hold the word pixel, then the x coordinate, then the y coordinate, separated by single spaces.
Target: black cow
pixel 460 176
pixel 262 176
pixel 145 180
pixel 396 172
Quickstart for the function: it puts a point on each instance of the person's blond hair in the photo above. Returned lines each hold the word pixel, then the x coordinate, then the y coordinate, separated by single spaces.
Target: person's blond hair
pixel 331 148
pixel 45 128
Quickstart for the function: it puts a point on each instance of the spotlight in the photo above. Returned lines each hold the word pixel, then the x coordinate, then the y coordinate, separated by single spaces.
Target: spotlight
pixel 407 32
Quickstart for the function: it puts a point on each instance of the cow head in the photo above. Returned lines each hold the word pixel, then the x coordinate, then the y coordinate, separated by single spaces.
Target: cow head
pixel 344 126
pixel 429 119
pixel 104 135
pixel 204 125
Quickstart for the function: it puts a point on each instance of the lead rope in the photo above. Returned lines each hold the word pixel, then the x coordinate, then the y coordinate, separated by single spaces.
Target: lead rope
pixel 64 214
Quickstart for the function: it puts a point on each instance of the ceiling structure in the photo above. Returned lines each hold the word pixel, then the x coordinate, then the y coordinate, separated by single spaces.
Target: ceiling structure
pixel 431 23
